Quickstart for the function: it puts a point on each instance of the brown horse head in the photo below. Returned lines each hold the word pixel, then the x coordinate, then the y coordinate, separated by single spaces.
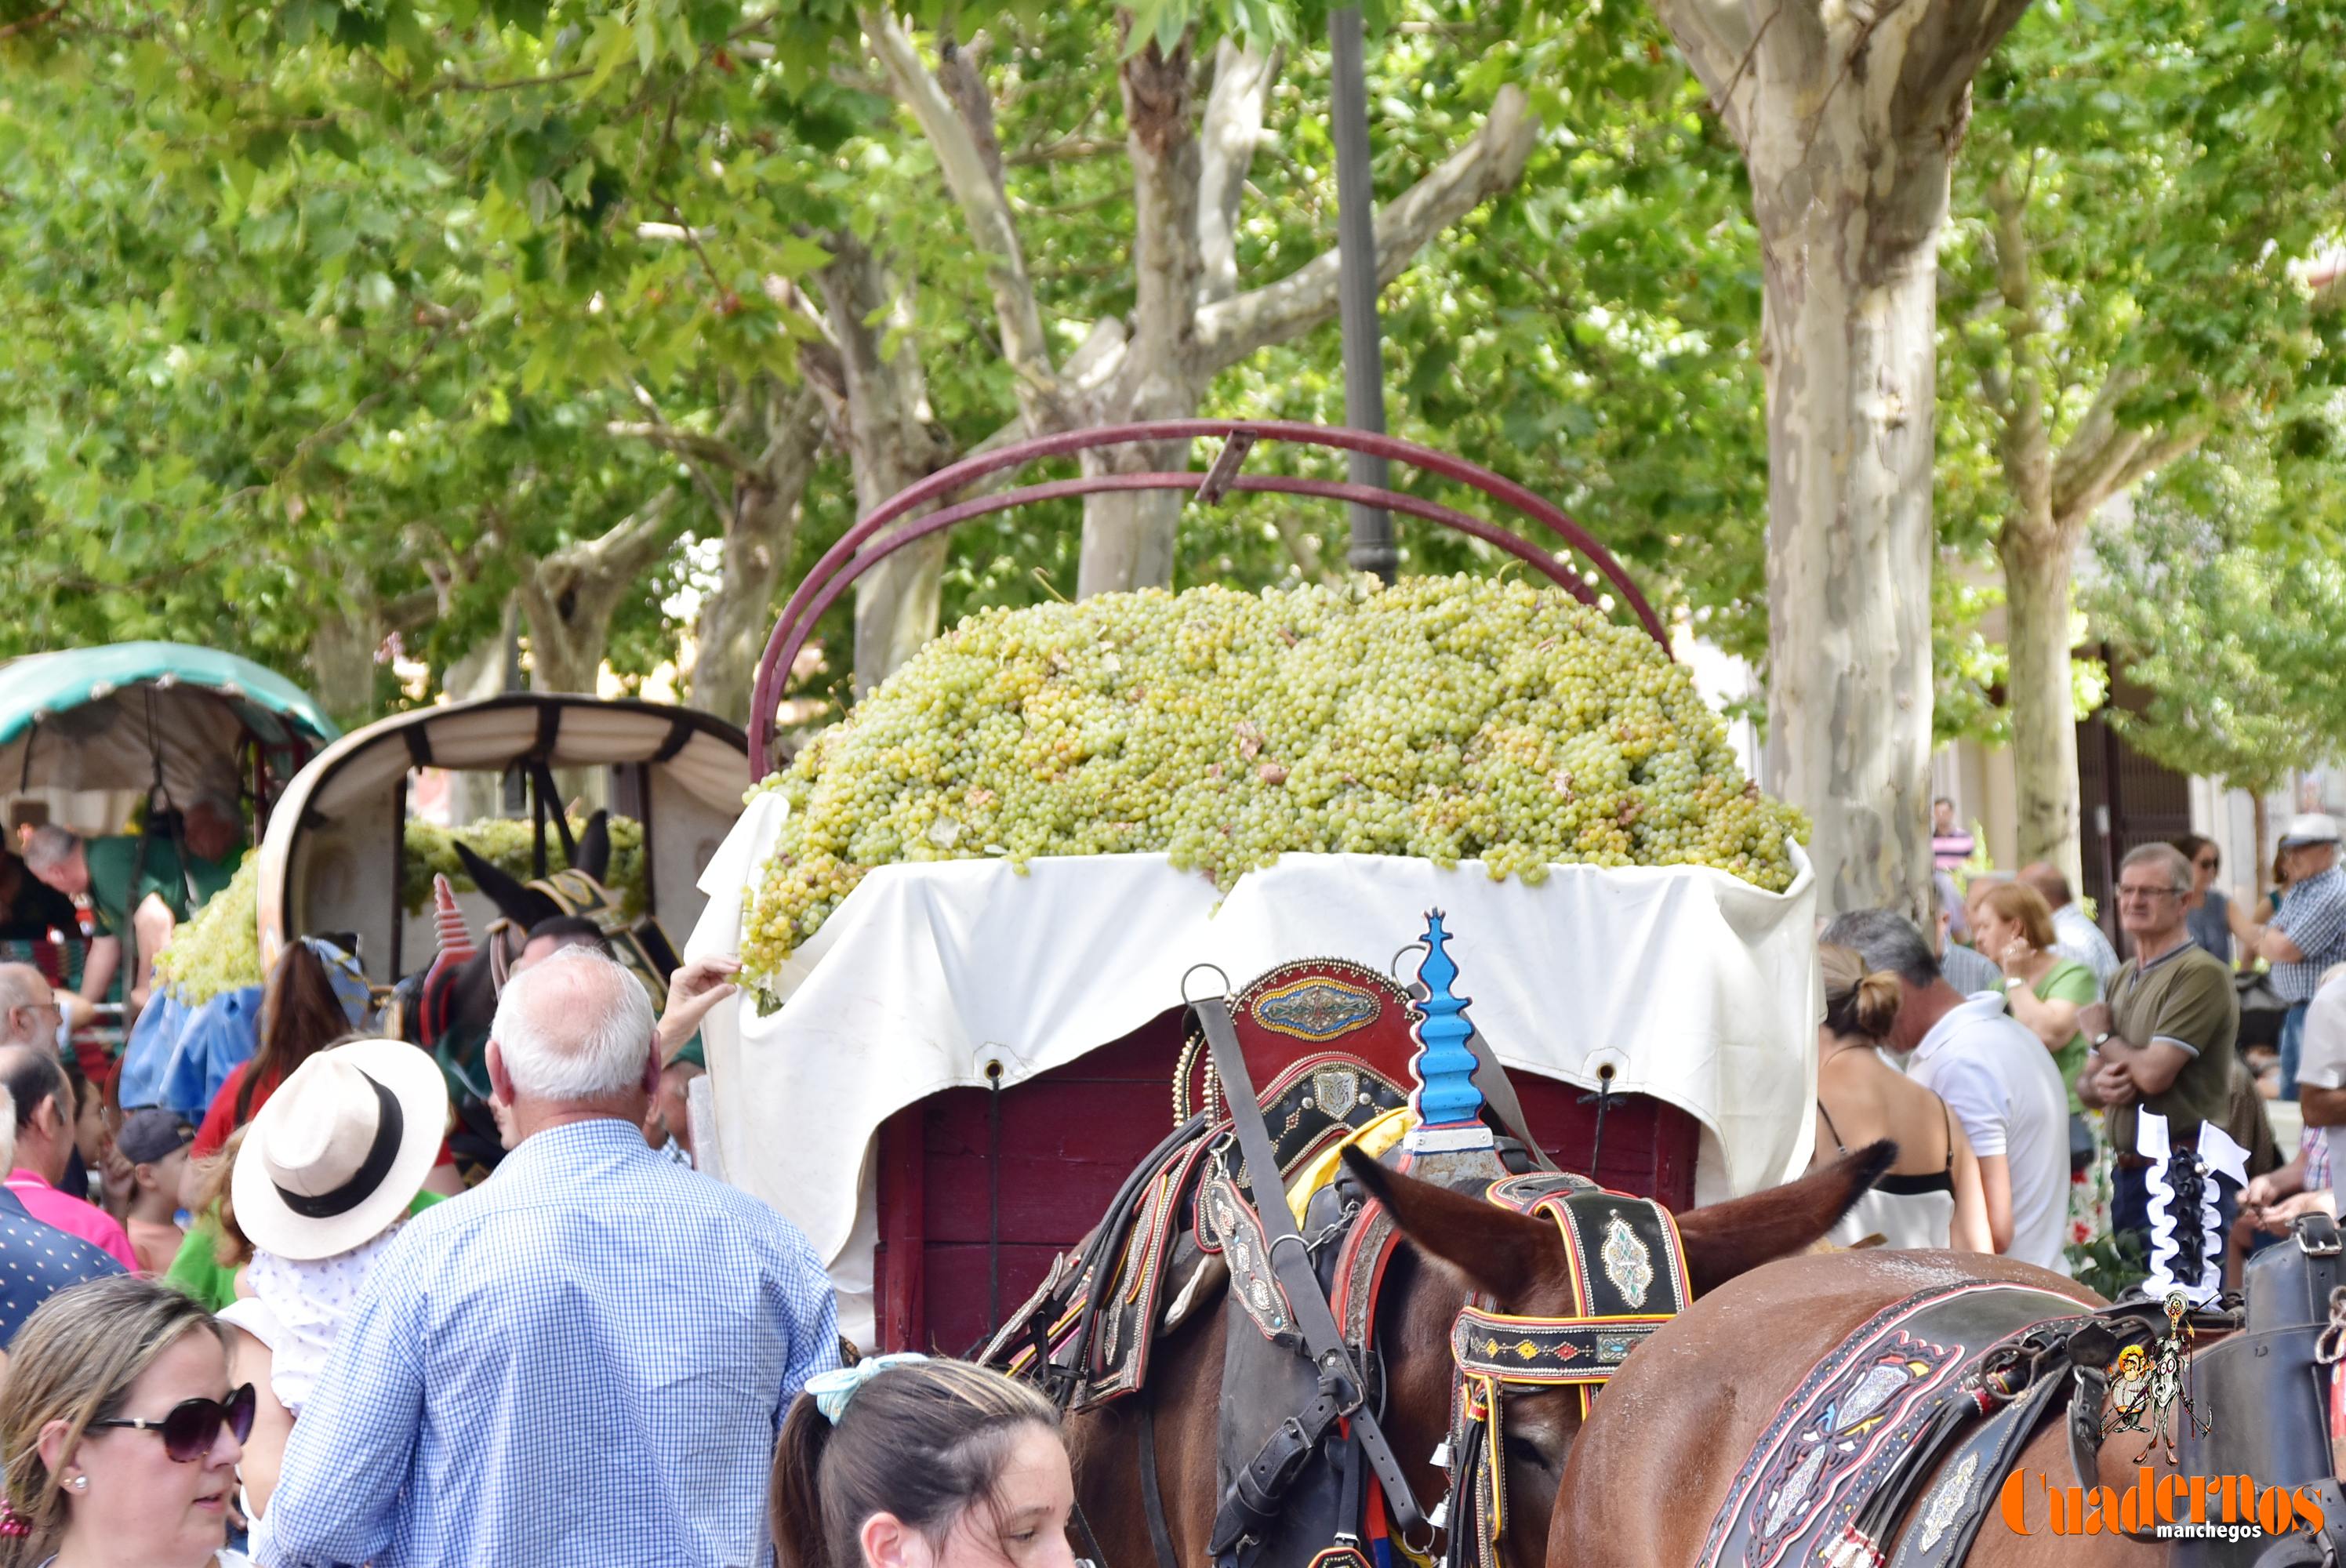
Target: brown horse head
pixel 1468 1246
pixel 1460 1246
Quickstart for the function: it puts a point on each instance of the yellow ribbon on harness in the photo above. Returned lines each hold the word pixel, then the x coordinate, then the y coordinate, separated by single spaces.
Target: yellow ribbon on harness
pixel 1371 1138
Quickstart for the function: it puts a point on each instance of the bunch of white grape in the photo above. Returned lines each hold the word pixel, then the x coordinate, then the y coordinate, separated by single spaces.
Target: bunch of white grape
pixel 220 949
pixel 1451 718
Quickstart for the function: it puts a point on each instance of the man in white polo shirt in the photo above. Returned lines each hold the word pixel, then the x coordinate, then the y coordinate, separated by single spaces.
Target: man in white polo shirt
pixel 1994 1074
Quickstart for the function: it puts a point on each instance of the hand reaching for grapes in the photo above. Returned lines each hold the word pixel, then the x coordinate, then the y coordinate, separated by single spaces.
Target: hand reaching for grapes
pixel 692 992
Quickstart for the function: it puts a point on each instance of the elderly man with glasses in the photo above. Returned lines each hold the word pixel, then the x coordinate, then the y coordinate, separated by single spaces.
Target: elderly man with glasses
pixel 2309 933
pixel 2163 1041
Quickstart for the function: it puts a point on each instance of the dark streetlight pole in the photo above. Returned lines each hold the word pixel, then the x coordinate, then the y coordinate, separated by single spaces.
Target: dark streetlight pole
pixel 1356 287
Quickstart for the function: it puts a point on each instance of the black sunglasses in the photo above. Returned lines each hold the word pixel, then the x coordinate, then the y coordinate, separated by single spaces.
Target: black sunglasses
pixel 194 1425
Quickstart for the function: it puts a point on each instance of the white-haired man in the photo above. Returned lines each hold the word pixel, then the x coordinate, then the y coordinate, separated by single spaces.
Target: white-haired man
pixel 2163 1041
pixel 586 1359
pixel 29 1011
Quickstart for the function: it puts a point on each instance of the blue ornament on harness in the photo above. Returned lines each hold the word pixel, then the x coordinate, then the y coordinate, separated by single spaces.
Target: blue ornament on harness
pixel 831 1390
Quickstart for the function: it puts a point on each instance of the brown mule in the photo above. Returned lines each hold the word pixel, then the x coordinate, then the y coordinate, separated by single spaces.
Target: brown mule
pixel 1664 1445
pixel 1461 1246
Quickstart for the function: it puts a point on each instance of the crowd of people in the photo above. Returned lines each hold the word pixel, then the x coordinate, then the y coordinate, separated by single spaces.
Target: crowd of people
pixel 334 1365
pixel 2037 1049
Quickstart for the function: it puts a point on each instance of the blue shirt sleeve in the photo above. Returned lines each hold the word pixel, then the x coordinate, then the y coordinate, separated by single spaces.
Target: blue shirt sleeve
pixel 352 1449
pixel 2314 917
pixel 813 1310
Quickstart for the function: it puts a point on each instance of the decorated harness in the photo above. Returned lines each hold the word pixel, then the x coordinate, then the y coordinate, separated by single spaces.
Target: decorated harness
pixel 1248 1196
pixel 1894 1448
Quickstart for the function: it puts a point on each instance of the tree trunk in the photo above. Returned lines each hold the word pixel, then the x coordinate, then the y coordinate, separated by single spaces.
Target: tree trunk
pixel 890 443
pixel 1129 536
pixel 2044 713
pixel 472 794
pixel 1850 321
pixel 570 596
pixel 739 613
pixel 1848 117
pixel 342 648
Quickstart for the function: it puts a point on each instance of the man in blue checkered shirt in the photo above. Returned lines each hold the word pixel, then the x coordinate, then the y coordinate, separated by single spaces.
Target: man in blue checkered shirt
pixel 2309 933
pixel 586 1359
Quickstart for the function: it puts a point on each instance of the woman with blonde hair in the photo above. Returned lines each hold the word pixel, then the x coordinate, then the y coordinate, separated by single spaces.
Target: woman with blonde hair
pixel 120 1432
pixel 1931 1197
pixel 2044 990
pixel 900 1462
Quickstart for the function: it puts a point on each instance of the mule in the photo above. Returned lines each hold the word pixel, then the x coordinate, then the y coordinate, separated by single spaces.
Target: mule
pixel 1455 1246
pixel 1655 1462
pixel 448 1008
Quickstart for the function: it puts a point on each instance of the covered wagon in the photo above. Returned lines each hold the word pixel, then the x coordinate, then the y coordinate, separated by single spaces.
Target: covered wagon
pixel 947 1083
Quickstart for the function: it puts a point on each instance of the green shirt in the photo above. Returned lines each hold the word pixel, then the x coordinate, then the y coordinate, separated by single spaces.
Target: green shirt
pixel 2184 998
pixel 126 868
pixel 199 1271
pixel 2069 981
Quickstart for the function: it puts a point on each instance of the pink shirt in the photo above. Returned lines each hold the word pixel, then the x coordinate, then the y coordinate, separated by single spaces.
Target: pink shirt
pixel 72 1216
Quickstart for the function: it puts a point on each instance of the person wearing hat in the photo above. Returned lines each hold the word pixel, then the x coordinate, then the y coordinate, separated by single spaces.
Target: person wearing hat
pixel 583 1361
pixel 155 1144
pixel 324 1178
pixel 2308 933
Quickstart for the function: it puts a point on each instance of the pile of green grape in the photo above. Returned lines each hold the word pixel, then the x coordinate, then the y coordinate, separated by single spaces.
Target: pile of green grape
pixel 220 948
pixel 1450 719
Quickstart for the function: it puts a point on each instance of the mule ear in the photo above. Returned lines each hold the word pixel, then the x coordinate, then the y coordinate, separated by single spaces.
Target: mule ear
pixel 1501 1251
pixel 524 906
pixel 594 856
pixel 1730 1239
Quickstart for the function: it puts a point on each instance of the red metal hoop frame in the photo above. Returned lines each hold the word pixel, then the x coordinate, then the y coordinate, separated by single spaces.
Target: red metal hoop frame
pixel 847 560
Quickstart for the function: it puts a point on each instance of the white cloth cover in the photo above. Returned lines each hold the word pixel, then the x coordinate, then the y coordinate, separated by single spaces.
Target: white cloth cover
pixel 1696 987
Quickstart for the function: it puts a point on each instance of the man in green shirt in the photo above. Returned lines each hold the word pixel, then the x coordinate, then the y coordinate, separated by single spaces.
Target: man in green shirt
pixel 2163 1041
pixel 138 887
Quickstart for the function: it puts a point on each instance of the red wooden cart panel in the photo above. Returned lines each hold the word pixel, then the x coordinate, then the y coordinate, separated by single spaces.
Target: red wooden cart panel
pixel 1069 1137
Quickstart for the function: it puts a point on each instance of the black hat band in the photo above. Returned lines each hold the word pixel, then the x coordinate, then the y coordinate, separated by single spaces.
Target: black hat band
pixel 369 1174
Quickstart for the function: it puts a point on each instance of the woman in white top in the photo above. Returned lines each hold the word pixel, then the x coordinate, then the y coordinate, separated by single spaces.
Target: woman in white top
pixel 121 1432
pixel 325 1175
pixel 1932 1195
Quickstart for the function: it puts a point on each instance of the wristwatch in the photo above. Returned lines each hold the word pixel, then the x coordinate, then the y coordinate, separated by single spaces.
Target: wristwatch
pixel 2103 1038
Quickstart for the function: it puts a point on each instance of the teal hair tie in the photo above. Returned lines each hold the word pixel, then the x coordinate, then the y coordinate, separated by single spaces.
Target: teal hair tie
pixel 831 1390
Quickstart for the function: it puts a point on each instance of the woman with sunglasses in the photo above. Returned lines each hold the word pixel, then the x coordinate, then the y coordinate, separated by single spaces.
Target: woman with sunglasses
pixel 900 1462
pixel 120 1432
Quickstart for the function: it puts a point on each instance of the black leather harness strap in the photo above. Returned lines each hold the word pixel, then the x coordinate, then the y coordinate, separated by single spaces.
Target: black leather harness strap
pixel 1499 1094
pixel 1343 1390
pixel 1152 1491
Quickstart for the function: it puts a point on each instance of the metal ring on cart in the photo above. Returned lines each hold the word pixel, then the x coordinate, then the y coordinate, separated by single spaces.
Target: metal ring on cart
pixel 862 546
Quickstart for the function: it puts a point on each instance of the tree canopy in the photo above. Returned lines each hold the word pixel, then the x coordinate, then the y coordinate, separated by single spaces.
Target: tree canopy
pixel 351 327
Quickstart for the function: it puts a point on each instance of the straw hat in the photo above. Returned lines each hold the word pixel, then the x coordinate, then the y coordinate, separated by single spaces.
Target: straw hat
pixel 2309 827
pixel 341 1148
